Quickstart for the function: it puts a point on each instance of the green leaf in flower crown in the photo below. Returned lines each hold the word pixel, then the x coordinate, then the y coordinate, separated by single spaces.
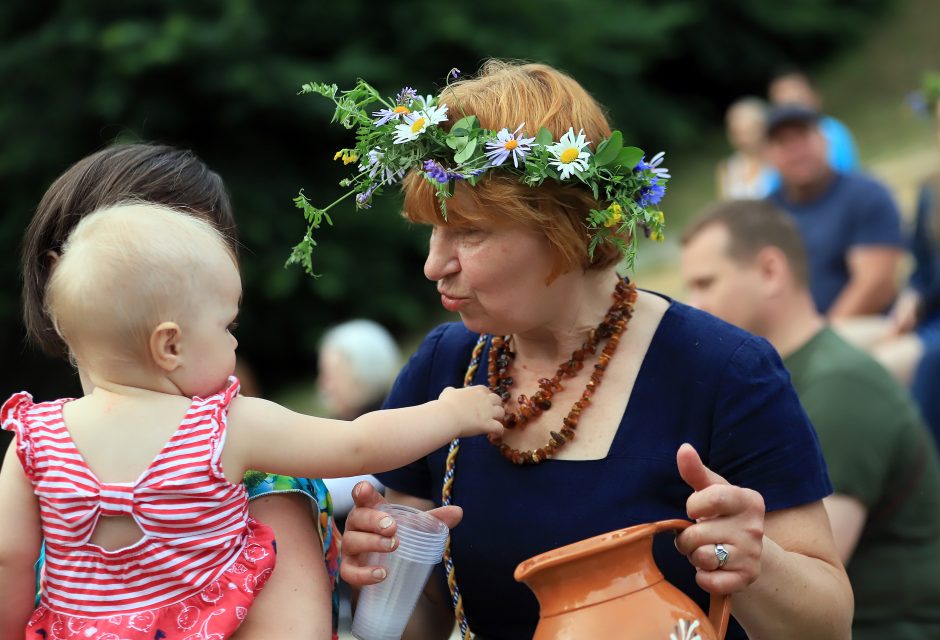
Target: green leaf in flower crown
pixel 456 142
pixel 464 126
pixel 464 154
pixel 543 137
pixel 609 149
pixel 629 157
pixel 552 172
pixel 327 90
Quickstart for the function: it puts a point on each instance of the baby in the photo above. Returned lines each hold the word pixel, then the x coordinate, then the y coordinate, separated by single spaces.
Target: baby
pixel 146 297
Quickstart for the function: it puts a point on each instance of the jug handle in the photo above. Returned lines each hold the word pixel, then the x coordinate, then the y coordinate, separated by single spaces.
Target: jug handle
pixel 719 607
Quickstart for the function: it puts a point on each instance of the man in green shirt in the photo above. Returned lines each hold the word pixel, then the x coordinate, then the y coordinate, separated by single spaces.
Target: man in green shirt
pixel 744 262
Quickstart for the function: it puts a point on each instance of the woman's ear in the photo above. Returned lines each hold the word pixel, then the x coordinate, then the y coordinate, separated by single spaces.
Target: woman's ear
pixel 166 348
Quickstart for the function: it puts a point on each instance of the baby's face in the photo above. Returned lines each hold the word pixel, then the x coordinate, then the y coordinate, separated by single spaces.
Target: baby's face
pixel 208 342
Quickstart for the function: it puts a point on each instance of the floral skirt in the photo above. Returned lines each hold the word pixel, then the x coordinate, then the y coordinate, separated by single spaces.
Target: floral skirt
pixel 212 614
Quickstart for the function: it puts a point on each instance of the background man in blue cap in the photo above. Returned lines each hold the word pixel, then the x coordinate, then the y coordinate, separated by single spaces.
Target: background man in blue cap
pixel 792 86
pixel 848 221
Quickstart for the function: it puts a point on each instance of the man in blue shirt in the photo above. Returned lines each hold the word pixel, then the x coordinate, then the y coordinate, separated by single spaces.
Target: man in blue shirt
pixel 795 87
pixel 848 221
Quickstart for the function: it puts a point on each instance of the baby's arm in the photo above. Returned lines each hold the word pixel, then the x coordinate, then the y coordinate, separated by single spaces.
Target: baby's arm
pixel 264 435
pixel 19 546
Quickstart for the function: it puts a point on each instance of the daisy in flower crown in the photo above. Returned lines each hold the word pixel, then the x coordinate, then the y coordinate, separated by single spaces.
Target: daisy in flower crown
pixel 433 137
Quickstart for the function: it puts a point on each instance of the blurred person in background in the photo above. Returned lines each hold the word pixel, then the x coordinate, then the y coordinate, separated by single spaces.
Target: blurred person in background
pixel 744 262
pixel 746 172
pixel 297 599
pixel 358 363
pixel 795 87
pixel 902 340
pixel 849 222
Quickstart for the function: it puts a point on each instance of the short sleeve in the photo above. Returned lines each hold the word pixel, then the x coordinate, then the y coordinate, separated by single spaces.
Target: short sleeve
pixel 412 388
pixel 877 221
pixel 762 438
pixel 12 419
pixel 259 484
pixel 859 427
pixel 221 400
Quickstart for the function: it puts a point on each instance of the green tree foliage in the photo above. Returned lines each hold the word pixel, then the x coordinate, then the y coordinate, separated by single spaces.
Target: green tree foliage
pixel 221 78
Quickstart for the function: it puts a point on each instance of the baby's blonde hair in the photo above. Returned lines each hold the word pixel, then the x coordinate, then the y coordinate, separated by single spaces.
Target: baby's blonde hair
pixel 125 269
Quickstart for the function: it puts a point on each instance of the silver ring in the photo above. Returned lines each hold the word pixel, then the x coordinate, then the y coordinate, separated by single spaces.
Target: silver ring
pixel 722 554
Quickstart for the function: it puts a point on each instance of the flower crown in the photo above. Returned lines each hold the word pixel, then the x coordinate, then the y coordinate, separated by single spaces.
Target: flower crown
pixel 404 134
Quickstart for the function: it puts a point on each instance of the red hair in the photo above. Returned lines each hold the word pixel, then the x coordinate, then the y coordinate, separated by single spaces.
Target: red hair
pixel 504 95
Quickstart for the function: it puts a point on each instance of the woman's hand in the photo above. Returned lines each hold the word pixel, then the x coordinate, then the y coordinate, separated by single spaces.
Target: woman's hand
pixel 724 514
pixel 369 530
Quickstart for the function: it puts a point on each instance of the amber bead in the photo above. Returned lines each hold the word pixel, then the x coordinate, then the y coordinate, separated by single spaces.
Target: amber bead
pixel 500 356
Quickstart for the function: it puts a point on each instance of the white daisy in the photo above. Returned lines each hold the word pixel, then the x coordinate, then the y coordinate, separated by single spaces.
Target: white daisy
pixel 416 123
pixel 437 114
pixel 569 153
pixel 423 102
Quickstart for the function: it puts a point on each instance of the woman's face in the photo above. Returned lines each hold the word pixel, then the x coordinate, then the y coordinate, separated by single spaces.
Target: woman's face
pixel 745 128
pixel 493 273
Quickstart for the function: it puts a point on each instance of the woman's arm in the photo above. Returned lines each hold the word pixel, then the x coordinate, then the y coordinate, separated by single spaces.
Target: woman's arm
pixel 782 567
pixel 368 530
pixel 802 591
pixel 297 600
pixel 19 546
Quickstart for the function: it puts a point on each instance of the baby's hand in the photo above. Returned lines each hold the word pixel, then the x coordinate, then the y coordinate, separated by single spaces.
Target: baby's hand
pixel 477 409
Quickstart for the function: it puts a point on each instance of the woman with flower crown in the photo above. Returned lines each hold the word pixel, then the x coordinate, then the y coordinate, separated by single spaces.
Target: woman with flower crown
pixel 622 406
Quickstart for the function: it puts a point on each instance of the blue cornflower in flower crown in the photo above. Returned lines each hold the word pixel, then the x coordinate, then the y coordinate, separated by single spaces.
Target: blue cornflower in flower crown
pixel 651 195
pixel 440 174
pixel 423 134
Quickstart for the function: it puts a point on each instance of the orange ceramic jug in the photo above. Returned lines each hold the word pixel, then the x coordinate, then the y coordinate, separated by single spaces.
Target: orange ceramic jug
pixel 609 588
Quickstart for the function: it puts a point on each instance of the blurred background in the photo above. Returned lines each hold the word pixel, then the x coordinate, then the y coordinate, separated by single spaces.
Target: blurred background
pixel 221 78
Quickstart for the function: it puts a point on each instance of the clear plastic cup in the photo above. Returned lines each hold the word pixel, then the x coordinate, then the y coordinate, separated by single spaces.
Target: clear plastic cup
pixel 385 608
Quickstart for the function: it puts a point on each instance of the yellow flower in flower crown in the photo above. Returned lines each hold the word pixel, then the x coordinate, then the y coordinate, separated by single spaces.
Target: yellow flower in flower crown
pixel 616 215
pixel 348 156
pixel 657 234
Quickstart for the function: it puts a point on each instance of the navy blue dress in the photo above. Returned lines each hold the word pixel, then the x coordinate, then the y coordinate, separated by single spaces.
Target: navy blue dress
pixel 702 381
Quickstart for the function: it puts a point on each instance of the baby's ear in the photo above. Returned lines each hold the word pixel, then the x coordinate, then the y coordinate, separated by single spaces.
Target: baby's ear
pixel 166 346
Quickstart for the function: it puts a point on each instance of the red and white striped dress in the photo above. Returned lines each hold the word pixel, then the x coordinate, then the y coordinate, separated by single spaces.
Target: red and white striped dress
pixel 201 559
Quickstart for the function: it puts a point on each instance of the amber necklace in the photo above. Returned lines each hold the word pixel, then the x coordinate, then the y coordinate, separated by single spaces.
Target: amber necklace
pixel 501 356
